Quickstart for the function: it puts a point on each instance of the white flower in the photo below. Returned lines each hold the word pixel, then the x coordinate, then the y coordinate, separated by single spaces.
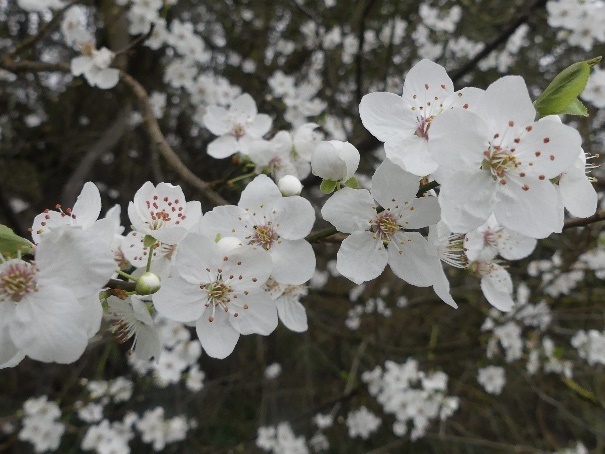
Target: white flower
pixel 362 423
pixel 94 65
pixel 496 283
pixel 289 309
pixel 595 89
pixel 236 126
pixel 379 238
pixel 133 320
pixel 577 193
pixel 263 217
pixel 50 308
pixel 402 122
pixel 492 379
pixel 163 213
pixel 275 156
pixel 335 160
pixel 84 214
pixel 498 160
pixel 222 293
pixel 491 239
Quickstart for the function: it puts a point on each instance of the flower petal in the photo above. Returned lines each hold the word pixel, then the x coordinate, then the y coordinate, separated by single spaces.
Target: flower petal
pixel 361 258
pixel 349 210
pixel 293 262
pixel 294 217
pixel 218 337
pixel 180 300
pixel 386 117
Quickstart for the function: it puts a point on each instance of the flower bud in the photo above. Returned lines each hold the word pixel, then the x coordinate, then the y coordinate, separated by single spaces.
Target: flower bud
pixel 335 160
pixel 228 243
pixel 289 185
pixel 147 284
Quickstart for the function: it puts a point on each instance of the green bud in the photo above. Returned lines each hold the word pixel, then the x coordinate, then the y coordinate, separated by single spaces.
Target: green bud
pixel 147 284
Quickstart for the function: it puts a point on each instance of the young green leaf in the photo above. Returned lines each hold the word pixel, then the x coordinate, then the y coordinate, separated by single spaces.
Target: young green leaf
pixel 11 243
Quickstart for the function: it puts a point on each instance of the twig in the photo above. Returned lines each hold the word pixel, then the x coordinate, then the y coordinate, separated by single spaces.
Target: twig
pixel 32 40
pixel 582 222
pixel 140 40
pixel 151 125
pixel 153 130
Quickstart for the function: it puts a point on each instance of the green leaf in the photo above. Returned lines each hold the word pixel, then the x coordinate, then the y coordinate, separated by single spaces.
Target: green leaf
pixel 11 243
pixel 149 241
pixel 565 88
pixel 328 186
pixel 576 108
pixel 352 183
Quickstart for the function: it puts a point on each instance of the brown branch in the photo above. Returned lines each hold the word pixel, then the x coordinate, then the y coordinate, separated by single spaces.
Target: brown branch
pixel 582 222
pixel 153 130
pixel 150 123
pixel 496 42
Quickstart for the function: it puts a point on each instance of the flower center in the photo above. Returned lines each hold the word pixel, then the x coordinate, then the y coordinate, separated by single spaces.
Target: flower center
pixel 498 161
pixel 264 236
pixel 17 280
pixel 385 225
pixel 218 293
pixel 423 127
pixel 164 211
pixel 238 131
pixel 453 252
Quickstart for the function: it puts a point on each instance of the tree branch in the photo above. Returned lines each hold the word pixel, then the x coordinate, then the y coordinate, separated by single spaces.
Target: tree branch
pixel 582 222
pixel 151 125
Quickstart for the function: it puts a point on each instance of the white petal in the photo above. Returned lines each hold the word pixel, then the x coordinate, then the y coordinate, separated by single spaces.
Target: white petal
pixel 48 326
pixel 514 246
pixel 534 212
pixel 497 287
pixel 260 317
pixel 361 258
pixel 326 162
pixel 216 120
pixel 578 194
pixel 442 289
pixel 250 267
pixel 412 259
pixel 80 65
pixel 218 337
pixel 505 100
pixel 92 313
pixel 259 126
pixel 429 82
pixel 548 149
pixel 227 220
pixel 223 147
pixel 88 205
pixel 422 212
pixel 457 140
pixel 107 78
pixel 349 210
pixel 292 314
pixel 8 349
pixel 196 254
pixel 260 193
pixel 411 154
pixel 294 217
pixel 392 186
pixel 244 104
pixel 180 300
pixel 293 262
pixel 467 200
pixel 386 116
pixel 75 259
pixel 467 98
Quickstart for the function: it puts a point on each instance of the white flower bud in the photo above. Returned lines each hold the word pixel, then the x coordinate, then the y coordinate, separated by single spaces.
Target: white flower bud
pixel 147 284
pixel 335 160
pixel 228 243
pixel 289 185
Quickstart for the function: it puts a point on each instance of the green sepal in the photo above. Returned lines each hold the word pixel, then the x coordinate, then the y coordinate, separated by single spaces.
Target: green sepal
pixel 149 241
pixel 328 186
pixel 11 243
pixel 565 89
pixel 217 238
pixel 352 183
